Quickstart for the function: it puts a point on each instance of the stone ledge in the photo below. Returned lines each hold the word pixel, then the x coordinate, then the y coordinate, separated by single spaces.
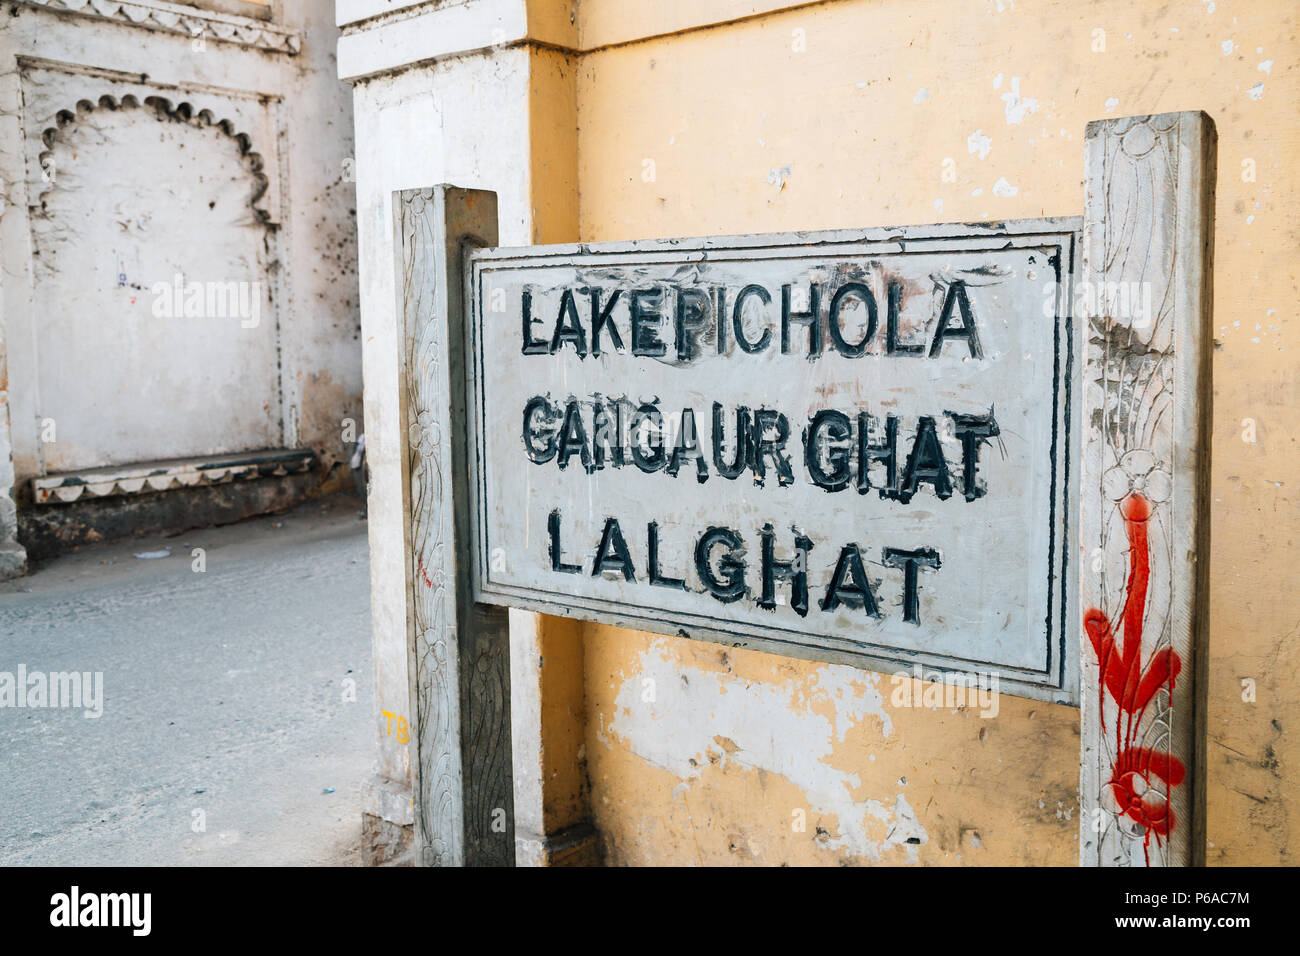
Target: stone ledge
pixel 380 37
pixel 154 476
pixel 174 18
pixel 49 531
pixel 425 34
pixel 577 845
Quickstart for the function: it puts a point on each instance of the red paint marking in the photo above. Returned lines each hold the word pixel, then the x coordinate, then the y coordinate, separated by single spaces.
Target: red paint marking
pixel 423 576
pixel 1132 687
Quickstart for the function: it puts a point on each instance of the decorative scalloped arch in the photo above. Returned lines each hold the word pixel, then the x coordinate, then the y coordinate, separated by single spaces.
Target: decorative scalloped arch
pixel 182 112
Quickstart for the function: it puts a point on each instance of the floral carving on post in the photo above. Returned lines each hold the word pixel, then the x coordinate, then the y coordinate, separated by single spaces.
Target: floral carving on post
pixel 1143 532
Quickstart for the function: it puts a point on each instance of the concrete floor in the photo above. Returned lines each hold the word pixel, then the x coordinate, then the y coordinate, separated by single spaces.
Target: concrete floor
pixel 224 692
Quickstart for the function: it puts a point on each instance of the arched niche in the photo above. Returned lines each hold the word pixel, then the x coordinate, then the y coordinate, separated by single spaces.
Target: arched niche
pixel 154 291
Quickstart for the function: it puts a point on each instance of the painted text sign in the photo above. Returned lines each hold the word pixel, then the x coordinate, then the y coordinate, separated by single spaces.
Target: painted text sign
pixel 849 446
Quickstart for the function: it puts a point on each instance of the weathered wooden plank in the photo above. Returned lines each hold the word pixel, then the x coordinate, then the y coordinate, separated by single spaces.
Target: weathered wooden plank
pixel 1144 522
pixel 459 652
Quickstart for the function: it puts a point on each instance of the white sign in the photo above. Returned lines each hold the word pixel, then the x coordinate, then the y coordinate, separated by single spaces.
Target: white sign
pixel 848 446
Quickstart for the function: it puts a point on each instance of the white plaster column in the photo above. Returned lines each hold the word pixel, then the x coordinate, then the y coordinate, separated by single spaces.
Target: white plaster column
pixel 441 95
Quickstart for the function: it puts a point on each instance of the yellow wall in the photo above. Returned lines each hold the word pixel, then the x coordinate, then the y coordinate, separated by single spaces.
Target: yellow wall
pixel 732 744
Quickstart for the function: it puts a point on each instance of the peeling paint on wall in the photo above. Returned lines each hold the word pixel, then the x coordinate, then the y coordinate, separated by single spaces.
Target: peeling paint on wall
pixel 708 754
pixel 725 718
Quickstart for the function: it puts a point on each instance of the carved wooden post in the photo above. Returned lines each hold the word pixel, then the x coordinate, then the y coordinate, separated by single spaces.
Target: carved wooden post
pixel 1144 530
pixel 458 652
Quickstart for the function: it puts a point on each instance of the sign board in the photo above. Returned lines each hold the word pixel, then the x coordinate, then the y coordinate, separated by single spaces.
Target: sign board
pixel 845 446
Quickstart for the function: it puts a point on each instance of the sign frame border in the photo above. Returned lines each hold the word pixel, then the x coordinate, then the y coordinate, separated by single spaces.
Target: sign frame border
pixel 1058 682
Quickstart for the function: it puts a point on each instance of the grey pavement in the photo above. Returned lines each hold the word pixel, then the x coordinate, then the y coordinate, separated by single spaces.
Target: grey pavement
pixel 224 692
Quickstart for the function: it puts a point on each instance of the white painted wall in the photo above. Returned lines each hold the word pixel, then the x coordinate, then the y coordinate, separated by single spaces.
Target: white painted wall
pixel 131 193
pixel 461 120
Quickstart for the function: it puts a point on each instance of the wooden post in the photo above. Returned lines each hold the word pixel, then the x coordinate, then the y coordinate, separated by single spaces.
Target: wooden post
pixel 1144 521
pixel 458 652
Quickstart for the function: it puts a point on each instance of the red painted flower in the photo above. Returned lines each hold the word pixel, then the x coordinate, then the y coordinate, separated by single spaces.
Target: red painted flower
pixel 1135 791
